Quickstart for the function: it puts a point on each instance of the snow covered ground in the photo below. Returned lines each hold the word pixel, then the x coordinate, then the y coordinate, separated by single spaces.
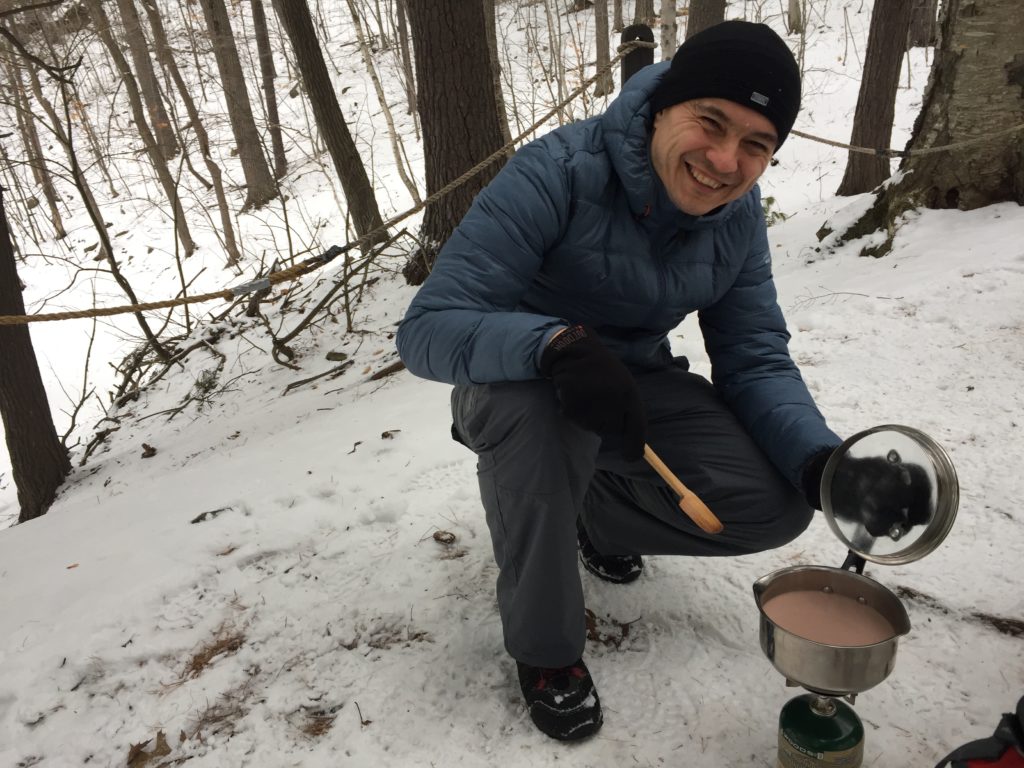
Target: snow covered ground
pixel 266 589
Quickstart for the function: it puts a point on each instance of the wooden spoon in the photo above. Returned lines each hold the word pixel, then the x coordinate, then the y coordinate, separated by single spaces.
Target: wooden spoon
pixel 689 501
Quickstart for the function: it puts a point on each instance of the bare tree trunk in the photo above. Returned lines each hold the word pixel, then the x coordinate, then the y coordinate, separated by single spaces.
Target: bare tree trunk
pixel 39 462
pixel 33 149
pixel 193 47
pixel 796 17
pixel 618 24
pixel 298 24
pixel 266 55
pixel 974 90
pixel 605 84
pixel 876 102
pixel 922 23
pixel 407 69
pixel 364 49
pixel 81 183
pixel 11 180
pixel 166 57
pixel 82 111
pixel 459 114
pixel 135 40
pixel 94 142
pixel 490 24
pixel 704 14
pixel 91 207
pixel 260 183
pixel 555 68
pixel 139 114
pixel 644 13
pixel 668 29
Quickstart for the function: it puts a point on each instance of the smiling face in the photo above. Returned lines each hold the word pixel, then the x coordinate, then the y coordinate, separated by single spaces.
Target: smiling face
pixel 709 152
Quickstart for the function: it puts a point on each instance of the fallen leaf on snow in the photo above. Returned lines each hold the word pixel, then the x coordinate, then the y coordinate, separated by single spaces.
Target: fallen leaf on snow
pixel 444 537
pixel 138 757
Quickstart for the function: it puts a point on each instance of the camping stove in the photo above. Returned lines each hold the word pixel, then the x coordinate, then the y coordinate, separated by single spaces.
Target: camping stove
pixel 834 631
pixel 820 728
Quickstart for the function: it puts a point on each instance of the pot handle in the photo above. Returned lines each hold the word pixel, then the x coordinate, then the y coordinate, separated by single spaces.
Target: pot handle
pixel 853 562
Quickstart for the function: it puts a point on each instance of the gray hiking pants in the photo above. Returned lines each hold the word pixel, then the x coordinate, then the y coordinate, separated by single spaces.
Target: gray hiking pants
pixel 538 472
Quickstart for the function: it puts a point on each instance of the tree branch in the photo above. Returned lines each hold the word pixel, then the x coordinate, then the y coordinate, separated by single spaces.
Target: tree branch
pixel 53 70
pixel 32 7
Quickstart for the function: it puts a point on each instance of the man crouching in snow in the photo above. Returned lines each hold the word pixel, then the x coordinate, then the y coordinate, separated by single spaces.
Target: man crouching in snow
pixel 549 310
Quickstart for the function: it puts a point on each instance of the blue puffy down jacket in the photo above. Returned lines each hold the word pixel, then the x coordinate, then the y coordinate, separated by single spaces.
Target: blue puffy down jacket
pixel 577 228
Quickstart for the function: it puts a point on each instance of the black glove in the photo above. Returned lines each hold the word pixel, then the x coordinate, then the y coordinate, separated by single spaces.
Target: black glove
pixel 887 497
pixel 810 477
pixel 595 389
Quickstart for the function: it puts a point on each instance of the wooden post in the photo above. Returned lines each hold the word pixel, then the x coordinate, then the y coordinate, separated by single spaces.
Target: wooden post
pixel 638 58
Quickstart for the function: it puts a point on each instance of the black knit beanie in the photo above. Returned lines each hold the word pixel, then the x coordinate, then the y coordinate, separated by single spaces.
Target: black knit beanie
pixel 739 61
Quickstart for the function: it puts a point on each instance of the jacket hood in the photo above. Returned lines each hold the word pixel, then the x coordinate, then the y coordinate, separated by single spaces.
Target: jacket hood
pixel 626 129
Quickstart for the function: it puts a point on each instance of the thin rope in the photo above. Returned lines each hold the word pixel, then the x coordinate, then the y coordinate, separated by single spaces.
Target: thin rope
pixel 911 152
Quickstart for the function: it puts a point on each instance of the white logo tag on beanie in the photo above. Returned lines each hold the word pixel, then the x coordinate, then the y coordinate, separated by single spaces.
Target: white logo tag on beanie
pixel 759 98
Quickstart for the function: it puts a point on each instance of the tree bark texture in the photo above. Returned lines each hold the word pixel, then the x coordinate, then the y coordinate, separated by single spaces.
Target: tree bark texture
pixel 135 41
pixel 975 89
pixel 298 24
pixel 408 75
pixel 605 85
pixel 490 25
pixel 39 462
pixel 876 102
pixel 266 56
pixel 618 23
pixel 643 12
pixel 795 17
pixel 457 110
pixel 704 14
pixel 258 179
pixel 668 29
pixel 922 23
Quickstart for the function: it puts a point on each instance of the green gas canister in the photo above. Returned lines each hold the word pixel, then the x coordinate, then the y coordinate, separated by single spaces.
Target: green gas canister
pixel 818 732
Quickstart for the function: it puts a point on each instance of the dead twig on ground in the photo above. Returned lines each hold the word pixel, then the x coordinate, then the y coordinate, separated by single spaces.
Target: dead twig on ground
pixel 333 373
pixel 395 367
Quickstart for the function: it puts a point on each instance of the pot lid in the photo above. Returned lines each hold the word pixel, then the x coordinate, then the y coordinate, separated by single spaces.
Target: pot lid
pixel 890 494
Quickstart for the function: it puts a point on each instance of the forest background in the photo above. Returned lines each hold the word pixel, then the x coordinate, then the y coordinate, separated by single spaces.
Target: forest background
pixel 257 520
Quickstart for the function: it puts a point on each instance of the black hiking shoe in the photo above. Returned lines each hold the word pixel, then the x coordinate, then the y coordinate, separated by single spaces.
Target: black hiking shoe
pixel 563 703
pixel 617 569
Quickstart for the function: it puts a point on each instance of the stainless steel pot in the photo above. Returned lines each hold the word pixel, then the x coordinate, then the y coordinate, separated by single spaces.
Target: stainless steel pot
pixel 830 669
